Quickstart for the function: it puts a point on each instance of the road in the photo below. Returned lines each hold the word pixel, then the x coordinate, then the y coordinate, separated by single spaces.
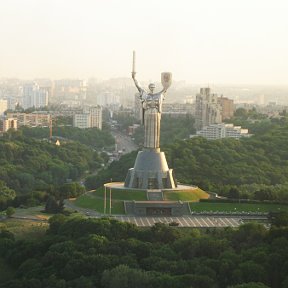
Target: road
pixel 124 142
pixel 196 221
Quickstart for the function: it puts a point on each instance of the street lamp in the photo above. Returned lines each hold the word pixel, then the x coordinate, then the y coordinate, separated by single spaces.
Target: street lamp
pixel 110 202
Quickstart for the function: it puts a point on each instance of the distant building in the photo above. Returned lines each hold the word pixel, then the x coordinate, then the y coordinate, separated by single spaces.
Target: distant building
pixel 48 86
pixel 82 120
pixel 34 96
pixel 107 98
pixel 9 123
pixel 207 109
pixel 40 119
pixel 3 106
pixel 177 109
pixel 227 105
pixel 70 90
pixel 132 129
pixel 11 90
pixel 89 118
pixel 96 116
pixel 218 131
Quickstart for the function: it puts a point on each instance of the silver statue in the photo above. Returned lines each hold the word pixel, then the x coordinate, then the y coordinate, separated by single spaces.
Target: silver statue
pixel 152 108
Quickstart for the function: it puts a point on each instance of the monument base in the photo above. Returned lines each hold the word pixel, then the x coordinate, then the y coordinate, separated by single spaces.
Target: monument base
pixel 157 208
pixel 150 171
pixel 155 205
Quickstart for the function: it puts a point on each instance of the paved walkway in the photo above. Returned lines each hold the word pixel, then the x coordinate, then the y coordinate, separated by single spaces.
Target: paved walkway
pixel 197 221
pixel 184 221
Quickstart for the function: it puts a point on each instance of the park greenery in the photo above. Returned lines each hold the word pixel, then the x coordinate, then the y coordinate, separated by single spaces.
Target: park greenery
pixel 31 169
pixel 93 137
pixel 94 200
pixel 253 168
pixel 80 252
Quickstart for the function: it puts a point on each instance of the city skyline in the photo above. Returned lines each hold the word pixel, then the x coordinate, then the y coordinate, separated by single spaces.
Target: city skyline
pixel 216 42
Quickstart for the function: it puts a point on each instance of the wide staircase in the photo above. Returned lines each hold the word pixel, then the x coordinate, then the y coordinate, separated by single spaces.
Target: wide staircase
pixel 154 195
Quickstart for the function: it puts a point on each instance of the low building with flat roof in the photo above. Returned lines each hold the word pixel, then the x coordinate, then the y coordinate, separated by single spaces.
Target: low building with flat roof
pixel 222 130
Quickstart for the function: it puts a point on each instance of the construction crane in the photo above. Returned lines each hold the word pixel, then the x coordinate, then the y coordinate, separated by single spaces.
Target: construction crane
pixel 51 127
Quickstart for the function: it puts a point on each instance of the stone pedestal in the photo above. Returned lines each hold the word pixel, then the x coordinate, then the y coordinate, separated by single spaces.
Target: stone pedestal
pixel 150 171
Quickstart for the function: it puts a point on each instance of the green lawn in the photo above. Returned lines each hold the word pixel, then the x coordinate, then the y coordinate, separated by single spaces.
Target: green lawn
pixel 97 204
pixel 95 200
pixel 191 195
pixel 32 211
pixel 236 207
pixel 138 195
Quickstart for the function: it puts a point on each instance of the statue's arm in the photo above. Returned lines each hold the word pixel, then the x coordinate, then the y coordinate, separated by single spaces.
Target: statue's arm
pixel 163 93
pixel 140 89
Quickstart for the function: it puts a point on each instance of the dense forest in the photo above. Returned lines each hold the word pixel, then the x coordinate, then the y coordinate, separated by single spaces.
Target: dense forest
pixel 30 166
pixel 88 253
pixel 93 137
pixel 250 165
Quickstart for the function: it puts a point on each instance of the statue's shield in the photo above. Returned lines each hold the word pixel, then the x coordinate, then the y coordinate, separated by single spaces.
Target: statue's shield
pixel 166 79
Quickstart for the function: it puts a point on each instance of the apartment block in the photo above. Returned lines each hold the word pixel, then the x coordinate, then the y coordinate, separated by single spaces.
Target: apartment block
pixel 218 131
pixel 207 109
pixel 31 119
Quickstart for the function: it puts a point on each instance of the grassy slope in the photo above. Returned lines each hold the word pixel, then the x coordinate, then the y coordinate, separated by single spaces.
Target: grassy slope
pixel 191 195
pixel 95 200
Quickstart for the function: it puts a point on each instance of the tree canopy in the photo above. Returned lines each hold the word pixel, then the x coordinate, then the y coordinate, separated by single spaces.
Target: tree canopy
pixel 29 165
pixel 79 252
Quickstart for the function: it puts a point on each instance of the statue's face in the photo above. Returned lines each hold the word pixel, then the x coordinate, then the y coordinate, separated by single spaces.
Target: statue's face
pixel 151 87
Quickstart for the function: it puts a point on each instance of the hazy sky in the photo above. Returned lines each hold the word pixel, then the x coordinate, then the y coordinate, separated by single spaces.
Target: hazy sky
pixel 200 41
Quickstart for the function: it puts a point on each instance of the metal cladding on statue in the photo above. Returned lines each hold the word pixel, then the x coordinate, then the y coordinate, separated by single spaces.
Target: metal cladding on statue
pixel 134 62
pixel 166 79
pixel 151 170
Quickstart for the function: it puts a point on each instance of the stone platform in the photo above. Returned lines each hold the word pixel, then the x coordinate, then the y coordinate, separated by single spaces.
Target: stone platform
pixel 155 204
pixel 150 171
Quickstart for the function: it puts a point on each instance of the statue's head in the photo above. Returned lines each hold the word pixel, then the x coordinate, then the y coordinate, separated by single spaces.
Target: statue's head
pixel 151 87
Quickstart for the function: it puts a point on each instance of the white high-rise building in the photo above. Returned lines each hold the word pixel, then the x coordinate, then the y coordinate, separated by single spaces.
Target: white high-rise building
pixel 96 116
pixel 82 120
pixel 34 96
pixel 91 117
pixel 207 109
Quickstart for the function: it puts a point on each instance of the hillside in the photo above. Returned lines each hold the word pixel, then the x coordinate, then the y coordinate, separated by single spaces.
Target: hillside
pixel 29 165
pixel 250 164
